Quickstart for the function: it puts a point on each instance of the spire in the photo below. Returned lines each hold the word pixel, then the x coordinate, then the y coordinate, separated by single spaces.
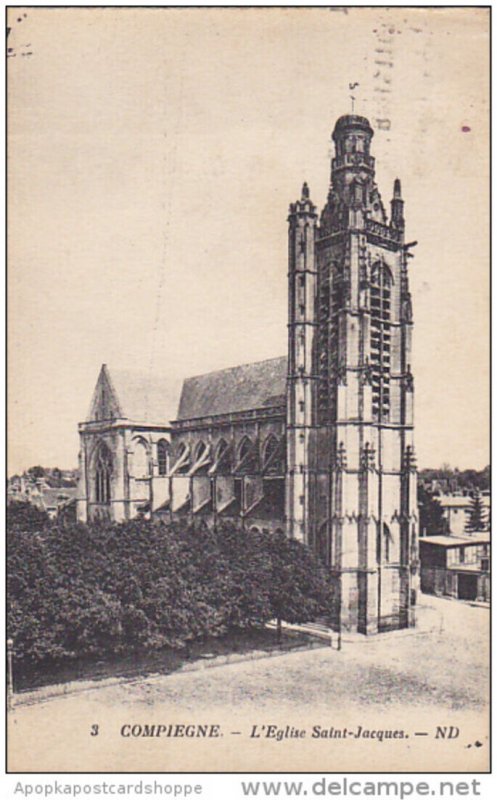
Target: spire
pixel 305 204
pixel 397 206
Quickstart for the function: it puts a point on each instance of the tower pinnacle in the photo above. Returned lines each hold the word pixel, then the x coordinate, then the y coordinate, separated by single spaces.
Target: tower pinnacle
pixel 397 206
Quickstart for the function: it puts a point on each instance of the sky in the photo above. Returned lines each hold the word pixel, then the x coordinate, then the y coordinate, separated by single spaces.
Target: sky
pixel 152 157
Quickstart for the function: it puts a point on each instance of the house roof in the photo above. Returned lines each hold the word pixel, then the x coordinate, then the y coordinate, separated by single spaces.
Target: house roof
pixel 134 395
pixel 456 541
pixel 240 388
pixel 459 500
pixel 54 497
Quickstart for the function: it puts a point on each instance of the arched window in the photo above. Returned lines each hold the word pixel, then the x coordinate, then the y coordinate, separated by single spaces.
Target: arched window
pixel 322 544
pixel 201 459
pixel 140 460
pixel 222 458
pixel 245 460
pixel 271 455
pixel 387 541
pixel 162 456
pixel 103 474
pixel 199 451
pixel 380 299
pixel 181 456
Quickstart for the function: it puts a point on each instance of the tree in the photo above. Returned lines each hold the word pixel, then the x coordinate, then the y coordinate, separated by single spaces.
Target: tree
pixel 80 592
pixel 36 472
pixel 476 518
pixel 431 519
pixel 23 515
pixel 300 590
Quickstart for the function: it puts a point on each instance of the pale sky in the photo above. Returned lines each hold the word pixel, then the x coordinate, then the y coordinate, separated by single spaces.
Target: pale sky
pixel 152 157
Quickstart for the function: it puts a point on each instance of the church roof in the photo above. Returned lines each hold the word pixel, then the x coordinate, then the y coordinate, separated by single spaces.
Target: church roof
pixel 134 395
pixel 234 389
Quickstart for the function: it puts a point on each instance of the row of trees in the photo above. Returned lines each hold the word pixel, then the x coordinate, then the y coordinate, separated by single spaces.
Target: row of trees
pixel 82 592
pixel 456 480
pixel 53 476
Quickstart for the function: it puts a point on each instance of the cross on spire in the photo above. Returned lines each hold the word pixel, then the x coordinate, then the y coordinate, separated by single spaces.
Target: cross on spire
pixel 352 86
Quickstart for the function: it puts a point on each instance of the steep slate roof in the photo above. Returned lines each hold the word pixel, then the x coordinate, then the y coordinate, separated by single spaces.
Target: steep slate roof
pixel 137 396
pixel 235 389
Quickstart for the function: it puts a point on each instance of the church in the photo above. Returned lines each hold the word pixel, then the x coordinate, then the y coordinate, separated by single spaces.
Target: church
pixel 317 443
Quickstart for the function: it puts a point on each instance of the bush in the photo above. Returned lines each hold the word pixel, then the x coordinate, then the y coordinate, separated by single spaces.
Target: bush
pixel 78 591
pixel 25 516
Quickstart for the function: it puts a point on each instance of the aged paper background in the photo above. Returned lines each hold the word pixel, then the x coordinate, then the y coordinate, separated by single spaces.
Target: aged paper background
pixel 152 156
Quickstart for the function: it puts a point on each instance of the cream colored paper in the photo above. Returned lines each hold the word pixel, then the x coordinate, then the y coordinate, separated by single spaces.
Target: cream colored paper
pixel 152 157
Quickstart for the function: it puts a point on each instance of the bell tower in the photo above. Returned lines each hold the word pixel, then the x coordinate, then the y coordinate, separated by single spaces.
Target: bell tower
pixel 352 485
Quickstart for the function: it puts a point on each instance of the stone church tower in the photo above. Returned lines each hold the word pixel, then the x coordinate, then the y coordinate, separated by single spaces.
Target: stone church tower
pixel 318 442
pixel 351 474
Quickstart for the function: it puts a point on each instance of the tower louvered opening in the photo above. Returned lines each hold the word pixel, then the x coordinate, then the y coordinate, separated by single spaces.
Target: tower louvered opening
pixel 380 343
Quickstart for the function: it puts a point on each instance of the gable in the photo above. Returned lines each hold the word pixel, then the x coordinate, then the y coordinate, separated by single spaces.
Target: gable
pixel 105 403
pixel 134 396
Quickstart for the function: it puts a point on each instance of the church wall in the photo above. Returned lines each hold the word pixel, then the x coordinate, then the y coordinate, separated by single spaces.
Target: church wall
pixel 160 491
pixel 135 486
pixel 211 493
pixel 180 490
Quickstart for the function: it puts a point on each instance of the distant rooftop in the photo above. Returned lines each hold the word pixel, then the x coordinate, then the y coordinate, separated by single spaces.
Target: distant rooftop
pixel 457 541
pixel 460 500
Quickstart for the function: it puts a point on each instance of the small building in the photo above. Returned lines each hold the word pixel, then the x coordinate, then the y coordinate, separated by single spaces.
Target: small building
pixel 54 500
pixel 456 566
pixel 456 509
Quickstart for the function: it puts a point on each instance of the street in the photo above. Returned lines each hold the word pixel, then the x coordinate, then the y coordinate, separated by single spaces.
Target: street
pixel 407 680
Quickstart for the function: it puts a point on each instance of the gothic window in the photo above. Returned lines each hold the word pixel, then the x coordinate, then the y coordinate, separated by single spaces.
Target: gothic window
pixel 336 303
pixel 380 301
pixel 103 474
pixel 387 541
pixel 245 461
pixel 162 454
pixel 350 144
pixel 271 456
pixel 222 459
pixel 323 352
pixel 200 451
pixel 201 459
pixel 322 548
pixel 180 456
